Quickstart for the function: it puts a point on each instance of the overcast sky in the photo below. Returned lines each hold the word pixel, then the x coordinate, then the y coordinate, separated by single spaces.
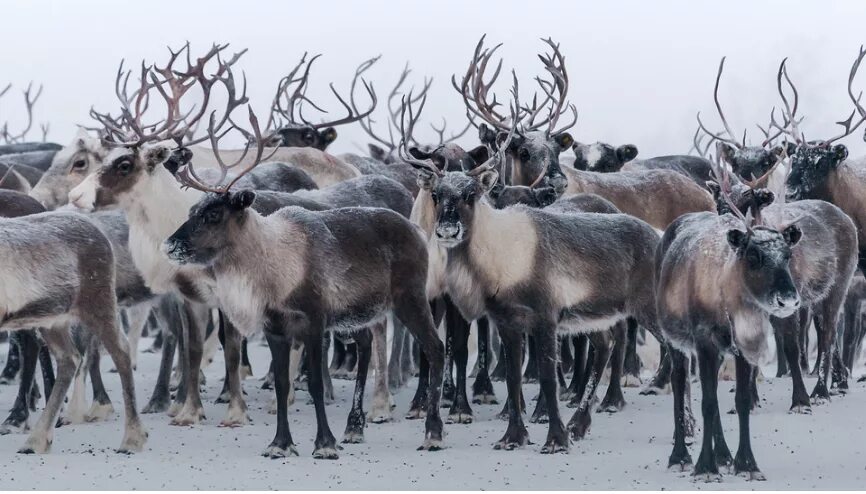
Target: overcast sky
pixel 639 70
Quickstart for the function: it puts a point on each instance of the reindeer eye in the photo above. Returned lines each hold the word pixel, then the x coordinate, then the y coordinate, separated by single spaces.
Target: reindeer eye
pixel 212 216
pixel 124 167
pixel 434 196
pixel 523 154
pixel 79 164
pixel 754 258
pixel 308 136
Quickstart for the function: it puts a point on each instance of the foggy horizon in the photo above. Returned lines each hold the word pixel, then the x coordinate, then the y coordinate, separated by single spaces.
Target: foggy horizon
pixel 639 71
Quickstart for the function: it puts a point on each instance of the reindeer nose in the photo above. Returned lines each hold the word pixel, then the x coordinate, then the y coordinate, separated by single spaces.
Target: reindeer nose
pixel 787 302
pixel 448 231
pixel 559 183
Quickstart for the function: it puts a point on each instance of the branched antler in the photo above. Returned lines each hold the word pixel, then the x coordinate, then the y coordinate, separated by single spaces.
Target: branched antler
pixel 187 176
pixel 29 102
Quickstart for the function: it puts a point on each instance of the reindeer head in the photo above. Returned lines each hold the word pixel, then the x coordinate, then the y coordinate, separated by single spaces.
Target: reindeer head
pixel 601 157
pixel 537 143
pixel 814 161
pixel 764 256
pixel 292 129
pixel 214 222
pixel 746 161
pixel 70 166
pixel 144 156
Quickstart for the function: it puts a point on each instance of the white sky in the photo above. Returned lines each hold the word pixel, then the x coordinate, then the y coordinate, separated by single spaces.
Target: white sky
pixel 639 69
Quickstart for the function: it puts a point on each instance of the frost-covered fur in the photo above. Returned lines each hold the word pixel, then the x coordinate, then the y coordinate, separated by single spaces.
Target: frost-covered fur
pixel 70 167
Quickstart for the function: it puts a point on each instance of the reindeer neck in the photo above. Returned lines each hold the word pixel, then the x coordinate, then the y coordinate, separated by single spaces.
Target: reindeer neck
pixel 424 212
pixel 162 206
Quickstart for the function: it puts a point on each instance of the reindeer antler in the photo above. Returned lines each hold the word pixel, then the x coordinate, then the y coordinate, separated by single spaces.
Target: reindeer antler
pixel 406 110
pixel 730 139
pixel 187 176
pixel 848 127
pixel 29 102
pixel 475 91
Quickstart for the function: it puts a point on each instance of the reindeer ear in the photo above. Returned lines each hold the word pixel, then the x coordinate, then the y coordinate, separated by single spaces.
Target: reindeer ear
pixel 726 153
pixel 563 140
pixel 427 179
pixel 488 180
pixel 763 198
pixel 486 135
pixel 328 135
pixel 376 152
pixel 479 154
pixel 714 188
pixel 419 154
pixel 545 196
pixel 840 152
pixel 737 239
pixel 516 140
pixel 156 155
pixel 626 153
pixel 243 199
pixel 792 234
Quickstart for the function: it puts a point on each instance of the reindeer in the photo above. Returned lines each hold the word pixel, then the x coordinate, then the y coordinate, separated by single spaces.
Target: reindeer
pixel 137 179
pixel 59 270
pixel 373 259
pixel 604 158
pixel 720 281
pixel 286 111
pixel 822 266
pixel 508 278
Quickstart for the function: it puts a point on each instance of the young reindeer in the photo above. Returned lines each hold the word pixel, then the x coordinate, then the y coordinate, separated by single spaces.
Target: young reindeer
pixel 720 279
pixel 340 269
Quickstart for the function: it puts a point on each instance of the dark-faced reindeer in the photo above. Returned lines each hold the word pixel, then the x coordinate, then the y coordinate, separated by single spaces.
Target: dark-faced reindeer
pixel 604 158
pixel 58 270
pixel 299 273
pixel 288 120
pixel 721 279
pixel 821 266
pixel 136 178
pixel 748 162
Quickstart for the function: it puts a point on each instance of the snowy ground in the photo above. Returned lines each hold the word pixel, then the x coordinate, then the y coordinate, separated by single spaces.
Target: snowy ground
pixel 628 450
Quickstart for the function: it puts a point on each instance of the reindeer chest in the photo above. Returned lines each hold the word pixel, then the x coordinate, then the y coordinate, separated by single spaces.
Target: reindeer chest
pixel 466 288
pixel 160 275
pixel 751 329
pixel 239 300
pixel 436 265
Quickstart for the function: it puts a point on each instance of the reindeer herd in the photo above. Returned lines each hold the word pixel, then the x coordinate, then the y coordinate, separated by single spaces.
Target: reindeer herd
pixel 565 257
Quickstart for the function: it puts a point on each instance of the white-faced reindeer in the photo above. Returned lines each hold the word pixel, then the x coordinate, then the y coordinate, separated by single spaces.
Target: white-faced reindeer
pixel 299 273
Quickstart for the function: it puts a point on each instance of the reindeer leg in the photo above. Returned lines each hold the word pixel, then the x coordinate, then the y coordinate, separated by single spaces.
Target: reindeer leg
pixel 101 408
pixel 395 374
pixel 614 400
pixel 460 412
pixel 280 346
pixel 380 412
pixel 28 348
pixel 744 463
pixel 325 444
pixel 60 342
pixel 706 468
pixel 236 415
pixel 580 423
pixel 357 420
pixel 546 357
pixel 516 434
pixel 482 388
pixel 416 407
pixel 193 411
pixel 680 458
pixel 13 363
pixel 632 364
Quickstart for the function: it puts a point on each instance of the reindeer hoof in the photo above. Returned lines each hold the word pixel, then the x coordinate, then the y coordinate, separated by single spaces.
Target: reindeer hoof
pixel 273 452
pixel 631 381
pixel 801 409
pixel 98 412
pixel 485 399
pixel 379 416
pixel 708 477
pixel 459 418
pixel 133 441
pixel 756 475
pixel 326 453
pixel 188 417
pixel 416 413
pixel 431 445
pixel 353 437
pixel 35 445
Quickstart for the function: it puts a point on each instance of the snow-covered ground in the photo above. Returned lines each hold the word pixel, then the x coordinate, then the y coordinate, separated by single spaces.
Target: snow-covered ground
pixel 628 450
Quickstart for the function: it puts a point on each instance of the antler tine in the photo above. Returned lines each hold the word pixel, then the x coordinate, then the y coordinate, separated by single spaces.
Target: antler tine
pixel 697 141
pixel 474 91
pixel 847 124
pixel 232 101
pixel 554 64
pixel 366 123
pixel 761 181
pixel 498 158
pixel 406 136
pixel 352 116
pixel 393 113
pixel 44 127
pixel 441 132
pixel 29 102
pixel 724 181
pixel 790 111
